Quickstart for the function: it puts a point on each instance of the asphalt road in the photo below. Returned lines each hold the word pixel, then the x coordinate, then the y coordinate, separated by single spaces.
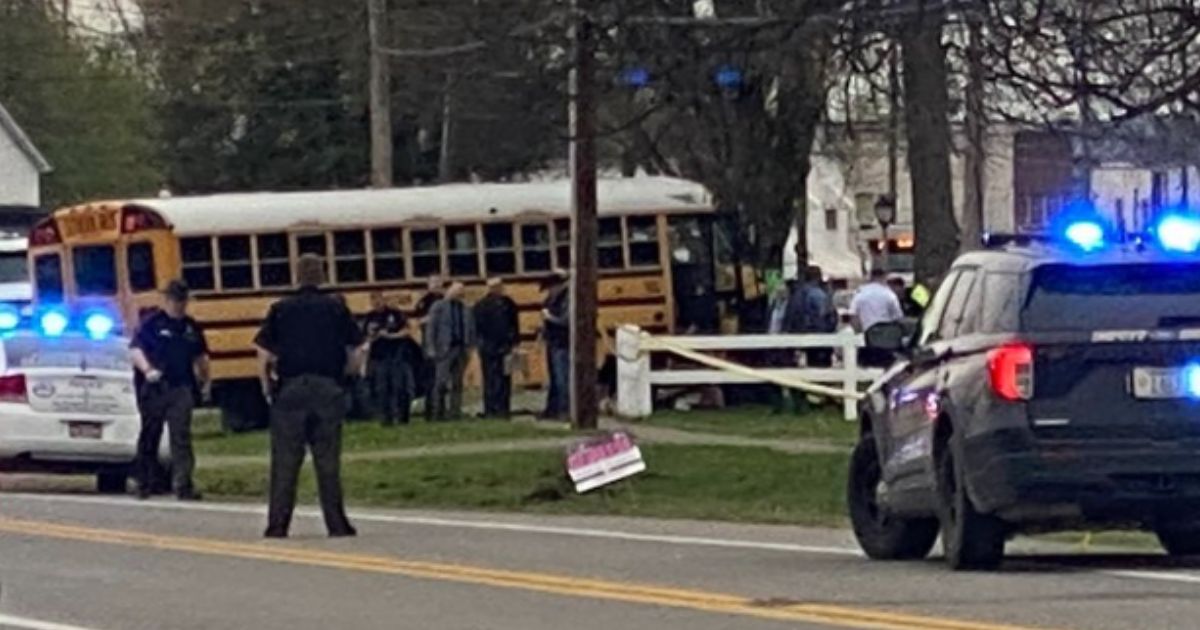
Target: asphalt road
pixel 70 562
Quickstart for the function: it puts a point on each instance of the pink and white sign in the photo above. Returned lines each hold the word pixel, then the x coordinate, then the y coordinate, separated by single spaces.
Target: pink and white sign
pixel 602 460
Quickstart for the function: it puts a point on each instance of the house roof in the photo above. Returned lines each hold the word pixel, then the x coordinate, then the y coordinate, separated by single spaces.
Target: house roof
pixel 22 141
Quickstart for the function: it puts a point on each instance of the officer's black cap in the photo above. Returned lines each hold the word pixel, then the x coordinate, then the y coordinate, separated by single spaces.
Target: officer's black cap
pixel 176 290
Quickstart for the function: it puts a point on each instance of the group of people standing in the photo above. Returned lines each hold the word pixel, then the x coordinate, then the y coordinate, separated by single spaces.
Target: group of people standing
pixel 308 344
pixel 399 367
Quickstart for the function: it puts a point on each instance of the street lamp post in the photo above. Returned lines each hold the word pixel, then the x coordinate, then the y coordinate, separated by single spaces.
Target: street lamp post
pixel 885 214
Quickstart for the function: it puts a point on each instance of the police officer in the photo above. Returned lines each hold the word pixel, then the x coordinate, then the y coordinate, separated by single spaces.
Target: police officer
pixel 389 373
pixel 497 332
pixel 171 358
pixel 308 341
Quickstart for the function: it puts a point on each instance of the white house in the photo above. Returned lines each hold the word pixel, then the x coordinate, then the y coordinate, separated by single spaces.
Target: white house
pixel 849 174
pixel 21 165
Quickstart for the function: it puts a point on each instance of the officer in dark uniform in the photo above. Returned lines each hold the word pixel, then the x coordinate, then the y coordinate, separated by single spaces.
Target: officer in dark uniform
pixel 497 333
pixel 389 372
pixel 171 358
pixel 308 342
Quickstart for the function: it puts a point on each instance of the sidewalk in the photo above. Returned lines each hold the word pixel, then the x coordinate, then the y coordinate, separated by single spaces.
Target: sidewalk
pixel 645 434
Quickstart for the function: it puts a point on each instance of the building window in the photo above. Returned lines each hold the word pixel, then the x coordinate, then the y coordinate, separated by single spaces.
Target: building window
pixel 197 254
pixel 388 249
pixel 274 264
pixel 350 256
pixel 643 241
pixel 562 243
pixel 499 251
pixel 139 259
pixel 236 264
pixel 831 222
pixel 426 253
pixel 610 248
pixel 535 247
pixel 864 208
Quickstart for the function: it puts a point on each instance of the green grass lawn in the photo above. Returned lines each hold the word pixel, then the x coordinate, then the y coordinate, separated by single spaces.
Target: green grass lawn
pixel 701 482
pixel 825 423
pixel 370 436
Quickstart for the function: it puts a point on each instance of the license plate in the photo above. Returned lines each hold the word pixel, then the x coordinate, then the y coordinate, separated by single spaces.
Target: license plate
pixel 1159 383
pixel 85 430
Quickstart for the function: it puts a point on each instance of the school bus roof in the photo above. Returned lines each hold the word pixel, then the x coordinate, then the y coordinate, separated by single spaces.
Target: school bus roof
pixel 266 211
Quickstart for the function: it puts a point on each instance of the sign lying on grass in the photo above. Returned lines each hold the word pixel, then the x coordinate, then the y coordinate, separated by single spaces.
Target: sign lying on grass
pixel 602 460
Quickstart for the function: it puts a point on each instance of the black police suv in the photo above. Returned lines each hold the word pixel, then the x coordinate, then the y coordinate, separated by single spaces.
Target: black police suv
pixel 1048 386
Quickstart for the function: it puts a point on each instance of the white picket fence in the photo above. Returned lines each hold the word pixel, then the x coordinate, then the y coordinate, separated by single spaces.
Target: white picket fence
pixel 636 379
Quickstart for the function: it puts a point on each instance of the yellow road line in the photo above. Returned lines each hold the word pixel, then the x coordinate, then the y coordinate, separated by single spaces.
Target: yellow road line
pixel 720 603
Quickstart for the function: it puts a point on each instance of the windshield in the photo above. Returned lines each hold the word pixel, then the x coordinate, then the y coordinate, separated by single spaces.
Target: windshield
pixel 35 351
pixel 1114 297
pixel 13 267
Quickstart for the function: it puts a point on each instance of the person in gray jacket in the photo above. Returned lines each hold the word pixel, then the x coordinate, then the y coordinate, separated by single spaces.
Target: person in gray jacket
pixel 451 330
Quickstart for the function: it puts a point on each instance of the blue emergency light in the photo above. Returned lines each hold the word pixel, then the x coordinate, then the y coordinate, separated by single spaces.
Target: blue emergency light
pixel 10 317
pixel 1191 380
pixel 99 325
pixel 53 323
pixel 1178 233
pixel 1086 235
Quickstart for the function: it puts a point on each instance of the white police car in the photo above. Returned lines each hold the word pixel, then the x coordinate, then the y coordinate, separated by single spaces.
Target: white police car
pixel 67 402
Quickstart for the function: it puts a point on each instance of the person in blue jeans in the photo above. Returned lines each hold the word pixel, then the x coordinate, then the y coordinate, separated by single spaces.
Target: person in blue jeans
pixel 556 334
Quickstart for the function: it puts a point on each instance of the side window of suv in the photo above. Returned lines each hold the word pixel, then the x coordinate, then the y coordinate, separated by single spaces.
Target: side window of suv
pixel 972 311
pixel 1001 303
pixel 956 307
pixel 928 330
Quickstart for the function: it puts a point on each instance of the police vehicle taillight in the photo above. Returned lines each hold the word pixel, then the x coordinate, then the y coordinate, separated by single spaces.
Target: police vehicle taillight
pixel 12 389
pixel 1010 370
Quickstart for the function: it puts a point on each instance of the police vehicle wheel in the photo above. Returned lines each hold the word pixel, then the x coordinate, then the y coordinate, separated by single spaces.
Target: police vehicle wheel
pixel 882 536
pixel 970 540
pixel 1180 540
pixel 112 481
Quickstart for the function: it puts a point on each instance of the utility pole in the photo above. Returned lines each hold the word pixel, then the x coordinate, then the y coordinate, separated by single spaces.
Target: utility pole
pixel 381 96
pixel 583 226
pixel 893 148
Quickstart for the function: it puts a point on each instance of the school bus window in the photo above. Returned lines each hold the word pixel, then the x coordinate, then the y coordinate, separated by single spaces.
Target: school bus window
pixel 501 257
pixel 535 247
pixel 236 265
pixel 643 241
pixel 562 242
pixel 388 248
pixel 95 270
pixel 464 251
pixel 314 244
pixel 197 254
pixel 610 250
pixel 350 256
pixel 139 259
pixel 426 253
pixel 48 277
pixel 274 266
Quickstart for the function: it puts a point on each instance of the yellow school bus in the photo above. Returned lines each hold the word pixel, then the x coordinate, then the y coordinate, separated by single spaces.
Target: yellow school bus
pixel 658 255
